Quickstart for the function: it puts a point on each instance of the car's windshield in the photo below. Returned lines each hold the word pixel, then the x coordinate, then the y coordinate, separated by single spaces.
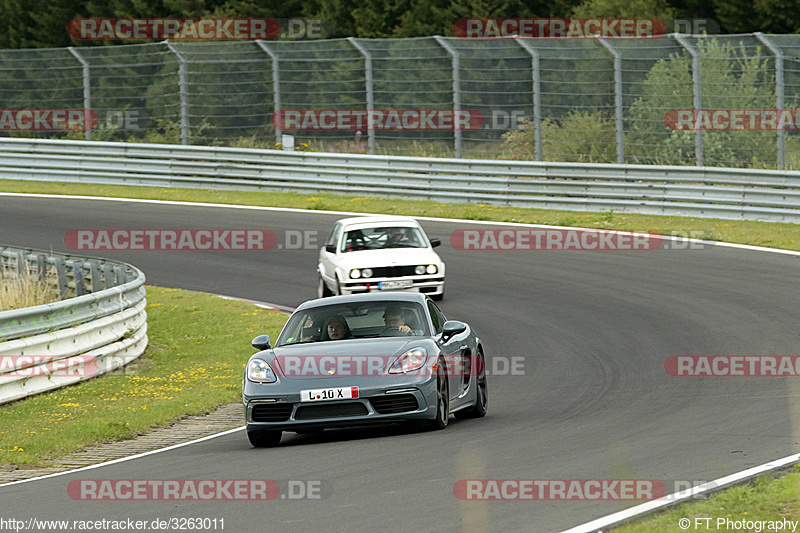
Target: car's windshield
pixel 355 321
pixel 383 237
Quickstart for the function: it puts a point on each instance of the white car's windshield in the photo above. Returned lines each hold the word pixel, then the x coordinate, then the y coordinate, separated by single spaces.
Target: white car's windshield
pixel 382 238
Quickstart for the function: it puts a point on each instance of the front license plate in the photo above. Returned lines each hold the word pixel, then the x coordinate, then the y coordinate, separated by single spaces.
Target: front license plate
pixel 387 285
pixel 322 395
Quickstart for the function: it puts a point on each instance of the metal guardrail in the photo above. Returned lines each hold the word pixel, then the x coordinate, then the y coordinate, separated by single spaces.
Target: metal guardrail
pixel 102 328
pixel 770 195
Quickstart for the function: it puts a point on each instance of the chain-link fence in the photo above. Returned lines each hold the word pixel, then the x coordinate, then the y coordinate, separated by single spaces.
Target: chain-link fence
pixel 709 100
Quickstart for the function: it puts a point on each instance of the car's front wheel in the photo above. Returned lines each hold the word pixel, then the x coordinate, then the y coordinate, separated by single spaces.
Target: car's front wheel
pixel 264 438
pixel 322 289
pixel 442 398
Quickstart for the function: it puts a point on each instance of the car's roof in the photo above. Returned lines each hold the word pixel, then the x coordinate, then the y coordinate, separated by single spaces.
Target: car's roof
pixel 378 220
pixel 417 297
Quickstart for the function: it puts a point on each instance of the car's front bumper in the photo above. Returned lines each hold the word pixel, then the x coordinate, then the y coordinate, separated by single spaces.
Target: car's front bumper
pixel 396 400
pixel 431 285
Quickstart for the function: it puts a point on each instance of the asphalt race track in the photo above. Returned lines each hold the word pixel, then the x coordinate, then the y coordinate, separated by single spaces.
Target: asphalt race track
pixel 593 401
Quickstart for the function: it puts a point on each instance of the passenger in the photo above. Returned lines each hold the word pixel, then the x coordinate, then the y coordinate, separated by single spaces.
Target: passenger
pixel 338 329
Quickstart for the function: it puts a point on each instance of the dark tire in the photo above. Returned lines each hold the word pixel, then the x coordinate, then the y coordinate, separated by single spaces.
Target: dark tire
pixel 442 399
pixel 322 289
pixel 478 410
pixel 264 438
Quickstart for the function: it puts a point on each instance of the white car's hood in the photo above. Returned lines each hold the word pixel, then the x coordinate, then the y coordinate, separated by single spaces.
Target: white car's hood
pixel 389 257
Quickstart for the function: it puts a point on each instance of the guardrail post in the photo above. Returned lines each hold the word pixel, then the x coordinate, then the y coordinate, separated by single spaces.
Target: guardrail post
pixel 537 99
pixel 41 266
pixel 370 91
pixel 61 275
pixel 276 85
pixel 97 277
pixel 778 92
pixel 456 87
pixel 183 84
pixel 87 91
pixel 620 125
pixel 77 274
pixel 108 276
pixel 698 103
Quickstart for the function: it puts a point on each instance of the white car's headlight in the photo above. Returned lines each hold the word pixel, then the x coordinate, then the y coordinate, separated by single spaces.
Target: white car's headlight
pixel 412 360
pixel 355 273
pixel 366 272
pixel 419 270
pixel 432 269
pixel 259 370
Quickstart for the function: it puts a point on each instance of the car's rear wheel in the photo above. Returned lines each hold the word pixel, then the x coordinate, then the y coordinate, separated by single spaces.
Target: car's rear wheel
pixel 442 398
pixel 322 289
pixel 478 410
pixel 264 438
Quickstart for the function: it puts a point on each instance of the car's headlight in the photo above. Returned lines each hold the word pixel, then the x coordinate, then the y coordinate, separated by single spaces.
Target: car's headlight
pixel 419 270
pixel 259 370
pixel 355 273
pixel 432 269
pixel 412 360
pixel 366 272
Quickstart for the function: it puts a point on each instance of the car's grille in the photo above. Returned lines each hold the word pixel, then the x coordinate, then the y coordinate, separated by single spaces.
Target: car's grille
pixel 271 412
pixel 396 403
pixel 393 271
pixel 334 410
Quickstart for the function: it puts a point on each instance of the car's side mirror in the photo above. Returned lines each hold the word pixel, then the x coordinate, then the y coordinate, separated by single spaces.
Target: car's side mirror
pixel 330 248
pixel 435 243
pixel 261 342
pixel 452 328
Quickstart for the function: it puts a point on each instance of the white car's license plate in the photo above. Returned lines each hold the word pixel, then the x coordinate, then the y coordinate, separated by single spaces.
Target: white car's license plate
pixel 387 285
pixel 322 395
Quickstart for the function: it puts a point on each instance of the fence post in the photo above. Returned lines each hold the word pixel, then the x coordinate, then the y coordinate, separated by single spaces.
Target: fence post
pixel 778 92
pixel 456 87
pixel 87 91
pixel 370 91
pixel 698 102
pixel 276 86
pixel 620 125
pixel 537 98
pixel 183 83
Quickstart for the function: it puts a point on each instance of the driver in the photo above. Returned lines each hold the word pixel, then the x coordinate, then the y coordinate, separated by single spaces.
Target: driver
pixel 398 236
pixel 395 323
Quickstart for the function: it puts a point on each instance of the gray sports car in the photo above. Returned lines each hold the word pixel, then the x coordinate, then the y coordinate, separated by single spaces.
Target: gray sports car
pixel 363 359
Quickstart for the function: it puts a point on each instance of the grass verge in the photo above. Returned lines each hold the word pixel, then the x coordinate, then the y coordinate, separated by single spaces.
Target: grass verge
pixel 193 363
pixel 766 499
pixel 772 234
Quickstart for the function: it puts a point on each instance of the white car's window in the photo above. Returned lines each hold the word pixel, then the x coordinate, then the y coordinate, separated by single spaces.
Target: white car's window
pixel 334 235
pixel 383 238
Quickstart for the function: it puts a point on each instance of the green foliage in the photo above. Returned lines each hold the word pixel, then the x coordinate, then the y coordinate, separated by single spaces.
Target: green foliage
pixel 582 136
pixel 624 9
pixel 731 78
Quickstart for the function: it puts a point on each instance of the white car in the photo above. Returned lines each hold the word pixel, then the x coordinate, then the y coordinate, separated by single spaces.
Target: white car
pixel 379 253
